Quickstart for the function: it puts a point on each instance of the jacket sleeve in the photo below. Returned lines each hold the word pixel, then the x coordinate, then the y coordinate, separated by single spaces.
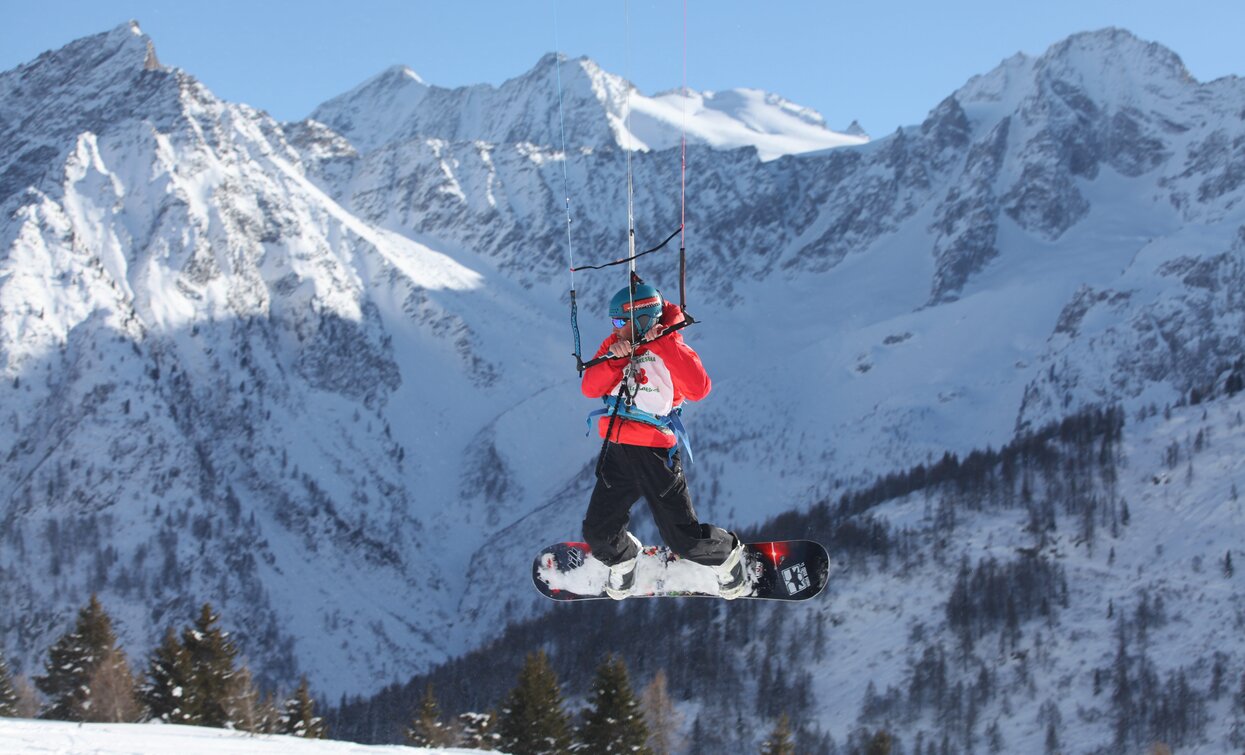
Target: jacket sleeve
pixel 684 365
pixel 600 379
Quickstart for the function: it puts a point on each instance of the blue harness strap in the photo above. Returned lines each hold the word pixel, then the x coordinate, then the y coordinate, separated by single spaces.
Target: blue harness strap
pixel 672 422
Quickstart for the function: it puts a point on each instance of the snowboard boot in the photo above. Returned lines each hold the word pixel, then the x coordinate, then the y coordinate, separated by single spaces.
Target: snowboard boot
pixel 731 573
pixel 622 574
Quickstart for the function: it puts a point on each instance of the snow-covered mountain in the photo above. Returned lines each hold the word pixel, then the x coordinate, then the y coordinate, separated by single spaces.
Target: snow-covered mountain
pixel 200 368
pixel 318 373
pixel 598 110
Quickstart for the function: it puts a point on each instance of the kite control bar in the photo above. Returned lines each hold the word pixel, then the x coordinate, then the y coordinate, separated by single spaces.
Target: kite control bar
pixel 688 320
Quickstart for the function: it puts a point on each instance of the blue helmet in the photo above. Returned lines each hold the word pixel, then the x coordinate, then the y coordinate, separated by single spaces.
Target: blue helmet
pixel 643 306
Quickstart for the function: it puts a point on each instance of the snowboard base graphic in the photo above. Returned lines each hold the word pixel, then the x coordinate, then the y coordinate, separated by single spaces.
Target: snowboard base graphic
pixel 778 570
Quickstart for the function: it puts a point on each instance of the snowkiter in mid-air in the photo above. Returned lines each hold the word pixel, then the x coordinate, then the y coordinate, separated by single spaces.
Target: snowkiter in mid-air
pixel 644 389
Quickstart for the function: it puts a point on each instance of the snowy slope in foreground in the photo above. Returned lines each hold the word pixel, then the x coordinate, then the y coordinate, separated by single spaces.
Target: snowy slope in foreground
pixel 64 738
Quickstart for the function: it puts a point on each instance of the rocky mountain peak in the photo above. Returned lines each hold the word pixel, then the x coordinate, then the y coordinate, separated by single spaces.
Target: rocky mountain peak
pixel 123 52
pixel 855 129
pixel 91 85
pixel 397 106
pixel 1114 48
pixel 1111 68
pixel 395 92
pixel 393 80
pixel 1114 69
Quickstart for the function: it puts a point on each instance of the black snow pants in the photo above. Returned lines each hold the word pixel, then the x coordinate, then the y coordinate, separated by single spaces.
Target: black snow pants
pixel 629 472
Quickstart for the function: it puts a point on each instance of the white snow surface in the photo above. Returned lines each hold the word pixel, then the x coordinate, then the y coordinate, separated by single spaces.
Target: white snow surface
pixel 25 737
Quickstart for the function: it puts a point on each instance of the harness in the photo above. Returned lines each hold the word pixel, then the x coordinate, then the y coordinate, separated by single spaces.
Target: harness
pixel 619 406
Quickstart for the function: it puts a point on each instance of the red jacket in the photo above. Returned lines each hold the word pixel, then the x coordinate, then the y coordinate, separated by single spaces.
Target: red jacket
pixel 670 373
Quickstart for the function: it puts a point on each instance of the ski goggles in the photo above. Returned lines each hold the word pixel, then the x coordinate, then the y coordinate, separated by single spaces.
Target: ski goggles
pixel 621 322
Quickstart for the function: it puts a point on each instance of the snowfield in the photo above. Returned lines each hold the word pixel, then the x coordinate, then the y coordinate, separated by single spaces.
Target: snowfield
pixel 25 737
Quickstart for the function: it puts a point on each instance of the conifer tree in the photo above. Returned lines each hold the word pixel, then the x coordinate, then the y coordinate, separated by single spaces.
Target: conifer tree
pixel 477 731
pixel 881 743
pixel 253 711
pixel 698 737
pixel 532 719
pixel 72 661
pixel 427 729
pixel 779 741
pixel 168 678
pixel 994 738
pixel 1122 692
pixel 614 723
pixel 209 697
pixel 663 719
pixel 114 693
pixel 8 693
pixel 300 718
pixel 28 703
pixel 1052 738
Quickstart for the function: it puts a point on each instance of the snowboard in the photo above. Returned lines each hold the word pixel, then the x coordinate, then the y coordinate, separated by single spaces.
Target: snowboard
pixel 780 570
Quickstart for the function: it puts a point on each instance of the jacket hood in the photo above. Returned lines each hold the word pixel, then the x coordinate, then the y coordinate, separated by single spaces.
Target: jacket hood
pixel 671 314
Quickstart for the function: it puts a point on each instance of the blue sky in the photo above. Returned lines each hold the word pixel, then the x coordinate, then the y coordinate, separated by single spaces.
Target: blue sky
pixel 885 64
